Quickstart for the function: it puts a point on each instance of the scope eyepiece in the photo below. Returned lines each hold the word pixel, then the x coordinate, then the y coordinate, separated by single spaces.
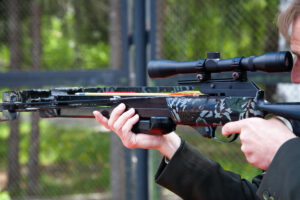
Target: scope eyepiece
pixel 269 62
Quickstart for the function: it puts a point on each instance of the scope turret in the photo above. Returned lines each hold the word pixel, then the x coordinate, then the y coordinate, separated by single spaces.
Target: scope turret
pixel 269 62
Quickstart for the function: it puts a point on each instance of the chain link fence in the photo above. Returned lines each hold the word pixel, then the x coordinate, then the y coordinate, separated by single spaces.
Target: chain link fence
pixel 188 30
pixel 74 155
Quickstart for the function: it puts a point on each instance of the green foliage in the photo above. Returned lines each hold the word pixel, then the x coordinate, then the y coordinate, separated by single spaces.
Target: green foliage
pixel 4 196
pixel 72 182
pixel 4 58
pixel 62 51
pixel 4 133
pixel 73 160
pixel 193 28
pixel 83 157
pixel 74 35
pixel 95 55
pixel 91 21
pixel 79 145
pixel 58 49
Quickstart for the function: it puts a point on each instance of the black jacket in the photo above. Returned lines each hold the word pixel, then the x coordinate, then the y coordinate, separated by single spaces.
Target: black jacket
pixel 191 175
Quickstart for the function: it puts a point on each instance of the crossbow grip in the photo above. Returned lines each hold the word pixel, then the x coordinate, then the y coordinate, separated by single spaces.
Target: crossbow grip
pixel 157 125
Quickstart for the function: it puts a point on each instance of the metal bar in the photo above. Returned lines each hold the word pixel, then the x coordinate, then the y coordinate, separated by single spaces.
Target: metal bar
pixel 140 42
pixel 125 65
pixel 139 38
pixel 107 77
pixel 257 77
pixel 155 189
pixel 62 78
pixel 153 29
pixel 125 37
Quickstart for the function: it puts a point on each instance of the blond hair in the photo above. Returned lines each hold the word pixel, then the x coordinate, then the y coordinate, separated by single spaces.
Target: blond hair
pixel 286 19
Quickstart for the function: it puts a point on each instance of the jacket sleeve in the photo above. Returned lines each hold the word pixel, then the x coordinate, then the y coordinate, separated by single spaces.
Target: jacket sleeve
pixel 191 175
pixel 282 179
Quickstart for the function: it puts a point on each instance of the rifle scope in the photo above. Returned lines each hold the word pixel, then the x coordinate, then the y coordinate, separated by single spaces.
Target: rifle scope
pixel 269 62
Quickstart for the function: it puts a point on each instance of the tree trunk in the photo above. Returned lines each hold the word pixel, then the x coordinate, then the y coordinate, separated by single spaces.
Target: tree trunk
pixel 36 34
pixel 13 157
pixel 14 37
pixel 33 165
pixel 160 17
pixel 117 174
pixel 115 34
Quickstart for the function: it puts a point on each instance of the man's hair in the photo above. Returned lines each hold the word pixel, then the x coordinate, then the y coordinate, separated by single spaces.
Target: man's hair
pixel 286 19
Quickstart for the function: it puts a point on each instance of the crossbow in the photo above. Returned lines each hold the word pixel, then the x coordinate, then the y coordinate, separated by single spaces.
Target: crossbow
pixel 203 103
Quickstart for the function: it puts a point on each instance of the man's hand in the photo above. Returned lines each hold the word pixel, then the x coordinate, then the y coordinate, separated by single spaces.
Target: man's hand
pixel 260 138
pixel 122 122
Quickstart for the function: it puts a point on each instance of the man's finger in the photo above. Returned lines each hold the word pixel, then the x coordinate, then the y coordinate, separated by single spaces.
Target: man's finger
pixel 123 119
pixel 232 128
pixel 115 114
pixel 129 124
pixel 101 119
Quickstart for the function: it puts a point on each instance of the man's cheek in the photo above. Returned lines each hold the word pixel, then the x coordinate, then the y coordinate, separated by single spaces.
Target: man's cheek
pixel 295 76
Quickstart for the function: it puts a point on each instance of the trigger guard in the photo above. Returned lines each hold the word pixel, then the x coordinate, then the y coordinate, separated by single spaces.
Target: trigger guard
pixel 206 131
pixel 233 138
pixel 209 132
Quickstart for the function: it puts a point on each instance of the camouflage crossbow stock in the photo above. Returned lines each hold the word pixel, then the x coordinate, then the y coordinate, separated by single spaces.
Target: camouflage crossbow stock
pixel 203 103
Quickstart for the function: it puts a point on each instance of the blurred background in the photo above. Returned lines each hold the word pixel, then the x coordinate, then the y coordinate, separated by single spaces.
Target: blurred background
pixel 42 40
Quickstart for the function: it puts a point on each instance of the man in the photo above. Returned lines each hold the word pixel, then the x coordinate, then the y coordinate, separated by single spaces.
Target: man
pixel 267 144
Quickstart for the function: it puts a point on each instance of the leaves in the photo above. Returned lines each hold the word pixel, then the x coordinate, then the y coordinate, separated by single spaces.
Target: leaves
pixel 4 196
pixel 193 28
pixel 74 35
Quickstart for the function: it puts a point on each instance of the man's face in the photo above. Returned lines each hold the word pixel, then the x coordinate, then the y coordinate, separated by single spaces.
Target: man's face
pixel 295 47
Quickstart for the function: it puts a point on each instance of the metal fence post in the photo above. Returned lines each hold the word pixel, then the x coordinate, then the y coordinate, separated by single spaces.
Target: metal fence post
pixel 139 38
pixel 125 67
